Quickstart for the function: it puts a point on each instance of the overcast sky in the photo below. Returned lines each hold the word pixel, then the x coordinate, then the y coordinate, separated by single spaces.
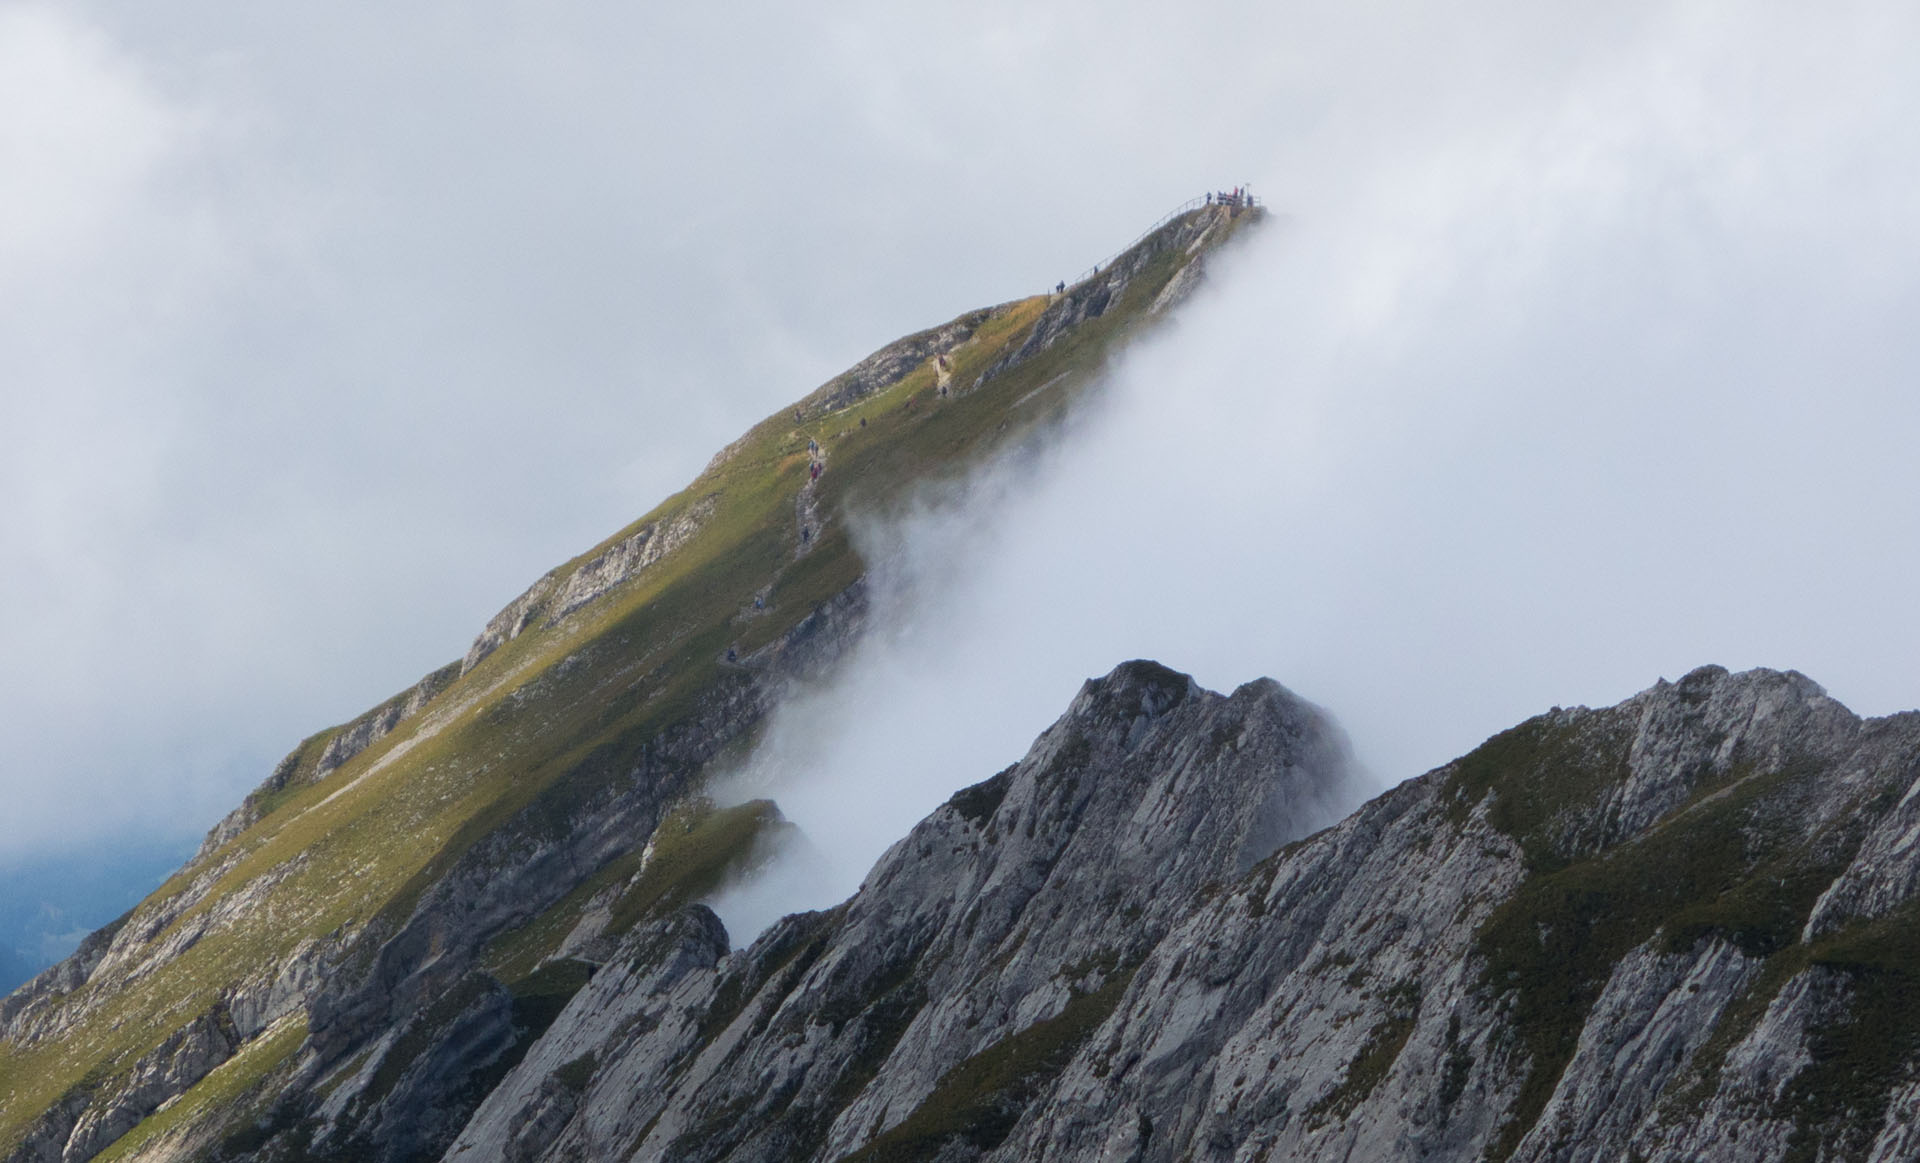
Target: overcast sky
pixel 1586 355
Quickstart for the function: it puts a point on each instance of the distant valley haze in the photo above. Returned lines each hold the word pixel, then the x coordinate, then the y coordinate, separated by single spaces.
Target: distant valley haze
pixel 1579 352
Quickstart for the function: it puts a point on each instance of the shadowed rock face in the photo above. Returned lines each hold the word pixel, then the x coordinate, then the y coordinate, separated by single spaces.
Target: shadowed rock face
pixel 1678 928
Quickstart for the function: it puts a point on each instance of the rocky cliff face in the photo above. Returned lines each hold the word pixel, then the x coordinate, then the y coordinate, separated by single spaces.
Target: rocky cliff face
pixel 1025 904
pixel 1679 928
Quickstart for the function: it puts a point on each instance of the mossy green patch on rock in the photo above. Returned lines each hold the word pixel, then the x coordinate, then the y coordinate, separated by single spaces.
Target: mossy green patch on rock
pixel 692 853
pixel 1734 863
pixel 1382 1049
pixel 1858 1060
pixel 979 1101
pixel 1545 779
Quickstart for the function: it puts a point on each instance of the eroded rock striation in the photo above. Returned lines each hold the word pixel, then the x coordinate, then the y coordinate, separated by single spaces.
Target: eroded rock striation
pixel 1678 928
pixel 1026 902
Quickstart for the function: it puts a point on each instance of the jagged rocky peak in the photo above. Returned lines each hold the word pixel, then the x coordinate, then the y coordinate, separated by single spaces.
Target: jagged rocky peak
pixel 1677 928
pixel 1014 907
pixel 1577 781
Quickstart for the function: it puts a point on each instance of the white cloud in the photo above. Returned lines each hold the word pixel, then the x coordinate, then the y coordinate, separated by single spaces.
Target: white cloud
pixel 1595 368
pixel 328 331
pixel 81 136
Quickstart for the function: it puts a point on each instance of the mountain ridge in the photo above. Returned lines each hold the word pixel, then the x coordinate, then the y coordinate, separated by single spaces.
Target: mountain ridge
pixel 385 861
pixel 467 925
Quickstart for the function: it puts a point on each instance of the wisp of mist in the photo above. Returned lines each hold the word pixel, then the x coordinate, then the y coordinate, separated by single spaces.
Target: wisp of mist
pixel 1532 398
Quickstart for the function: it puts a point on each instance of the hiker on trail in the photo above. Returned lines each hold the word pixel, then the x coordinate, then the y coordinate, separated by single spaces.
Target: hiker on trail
pixel 1209 197
pixel 816 471
pixel 806 534
pixel 863 421
pixel 812 446
pixel 1061 288
pixel 732 654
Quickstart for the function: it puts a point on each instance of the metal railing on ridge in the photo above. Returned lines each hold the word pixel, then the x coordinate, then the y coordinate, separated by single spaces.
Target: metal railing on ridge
pixel 1186 207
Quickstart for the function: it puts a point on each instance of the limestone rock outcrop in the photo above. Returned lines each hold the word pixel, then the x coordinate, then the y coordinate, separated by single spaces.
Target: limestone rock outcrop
pixel 1593 938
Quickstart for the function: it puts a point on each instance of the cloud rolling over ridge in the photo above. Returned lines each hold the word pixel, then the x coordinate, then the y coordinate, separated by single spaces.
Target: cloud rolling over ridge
pixel 1583 376
pixel 1583 357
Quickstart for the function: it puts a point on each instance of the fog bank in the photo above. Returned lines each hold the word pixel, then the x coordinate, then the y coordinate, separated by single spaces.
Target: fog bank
pixel 1593 368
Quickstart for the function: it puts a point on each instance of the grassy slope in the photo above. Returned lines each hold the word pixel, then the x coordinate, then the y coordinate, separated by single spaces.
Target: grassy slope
pixel 523 731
